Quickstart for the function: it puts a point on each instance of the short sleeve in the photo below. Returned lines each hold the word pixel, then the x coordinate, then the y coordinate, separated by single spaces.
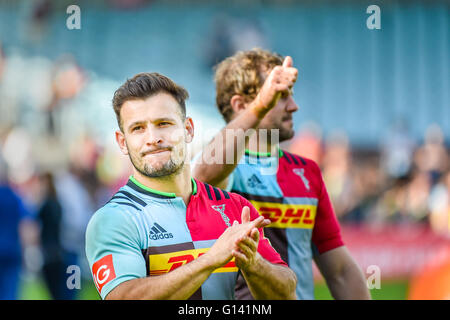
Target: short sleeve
pixel 326 233
pixel 265 249
pixel 113 249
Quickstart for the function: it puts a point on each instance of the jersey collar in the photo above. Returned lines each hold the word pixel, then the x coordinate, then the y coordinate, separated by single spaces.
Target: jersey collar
pixel 262 154
pixel 139 187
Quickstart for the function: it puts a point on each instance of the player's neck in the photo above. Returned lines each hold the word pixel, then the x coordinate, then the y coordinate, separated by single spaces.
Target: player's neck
pixel 260 144
pixel 179 184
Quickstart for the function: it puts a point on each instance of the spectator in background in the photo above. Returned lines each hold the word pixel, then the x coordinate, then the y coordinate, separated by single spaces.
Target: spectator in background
pixel 367 183
pixel 67 82
pixel 439 205
pixel 219 46
pixel 415 205
pixel 336 164
pixel 404 201
pixel 7 105
pixel 397 151
pixel 232 34
pixel 15 231
pixel 415 195
pixel 76 203
pixel 49 216
pixel 432 157
pixel 247 33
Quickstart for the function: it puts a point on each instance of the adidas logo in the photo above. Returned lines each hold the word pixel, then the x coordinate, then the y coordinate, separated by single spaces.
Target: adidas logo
pixel 157 232
pixel 255 182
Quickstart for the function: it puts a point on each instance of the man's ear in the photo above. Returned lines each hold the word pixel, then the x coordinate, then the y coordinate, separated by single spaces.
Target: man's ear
pixel 120 138
pixel 238 104
pixel 189 126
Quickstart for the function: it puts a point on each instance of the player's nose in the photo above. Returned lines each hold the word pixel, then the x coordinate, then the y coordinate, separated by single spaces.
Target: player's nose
pixel 152 138
pixel 291 105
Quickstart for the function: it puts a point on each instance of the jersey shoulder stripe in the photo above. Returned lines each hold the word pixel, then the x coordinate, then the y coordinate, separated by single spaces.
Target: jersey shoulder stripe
pixel 123 197
pixel 215 194
pixel 128 204
pixel 290 157
pixel 132 197
pixel 225 194
pixel 208 191
pixel 139 189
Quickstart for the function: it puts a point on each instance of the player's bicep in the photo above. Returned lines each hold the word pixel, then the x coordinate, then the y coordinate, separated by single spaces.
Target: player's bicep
pixel 332 262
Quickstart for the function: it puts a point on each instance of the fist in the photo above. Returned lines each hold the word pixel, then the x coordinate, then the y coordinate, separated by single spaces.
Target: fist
pixel 280 79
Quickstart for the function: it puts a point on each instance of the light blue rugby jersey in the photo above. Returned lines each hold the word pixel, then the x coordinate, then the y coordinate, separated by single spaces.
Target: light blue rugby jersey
pixel 142 232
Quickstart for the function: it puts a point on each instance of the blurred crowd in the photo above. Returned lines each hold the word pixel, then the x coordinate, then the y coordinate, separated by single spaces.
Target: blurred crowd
pixel 56 169
pixel 58 165
pixel 400 181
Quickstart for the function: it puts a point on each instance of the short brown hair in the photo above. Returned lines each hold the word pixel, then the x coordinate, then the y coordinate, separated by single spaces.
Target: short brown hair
pixel 144 85
pixel 244 74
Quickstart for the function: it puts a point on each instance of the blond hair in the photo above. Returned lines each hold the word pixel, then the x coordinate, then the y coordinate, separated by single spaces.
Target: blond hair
pixel 242 74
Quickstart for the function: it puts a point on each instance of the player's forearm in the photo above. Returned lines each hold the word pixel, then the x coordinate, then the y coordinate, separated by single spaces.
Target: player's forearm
pixel 270 281
pixel 178 284
pixel 349 284
pixel 221 156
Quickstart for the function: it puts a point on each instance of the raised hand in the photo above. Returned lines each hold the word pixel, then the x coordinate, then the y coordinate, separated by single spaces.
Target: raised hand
pixel 279 80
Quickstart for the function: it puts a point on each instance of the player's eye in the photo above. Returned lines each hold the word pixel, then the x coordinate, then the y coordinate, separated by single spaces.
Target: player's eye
pixel 137 128
pixel 286 94
pixel 164 124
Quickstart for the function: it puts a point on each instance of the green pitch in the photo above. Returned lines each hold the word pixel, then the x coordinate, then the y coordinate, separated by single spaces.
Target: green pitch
pixel 389 290
pixel 34 289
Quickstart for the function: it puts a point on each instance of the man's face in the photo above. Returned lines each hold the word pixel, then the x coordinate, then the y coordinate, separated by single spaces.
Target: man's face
pixel 280 117
pixel 154 135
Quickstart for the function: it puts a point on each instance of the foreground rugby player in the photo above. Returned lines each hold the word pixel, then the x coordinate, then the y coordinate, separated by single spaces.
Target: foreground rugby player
pixel 165 235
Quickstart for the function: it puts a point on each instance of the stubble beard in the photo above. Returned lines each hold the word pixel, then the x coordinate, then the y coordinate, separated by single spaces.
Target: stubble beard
pixel 168 169
pixel 286 134
pixel 283 133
